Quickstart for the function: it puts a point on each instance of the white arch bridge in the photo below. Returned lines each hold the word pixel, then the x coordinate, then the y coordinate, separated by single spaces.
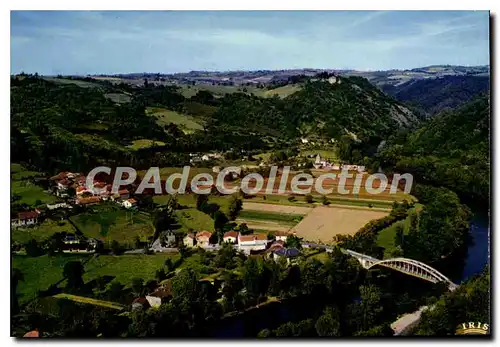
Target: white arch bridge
pixel 407 266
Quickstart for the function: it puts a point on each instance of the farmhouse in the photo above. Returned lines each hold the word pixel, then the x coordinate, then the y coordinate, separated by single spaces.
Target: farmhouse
pixel 189 240
pixel 254 242
pixel 203 239
pixel 124 194
pixel 26 219
pixel 230 237
pixel 130 203
pixel 160 296
pixel 280 236
pixel 88 201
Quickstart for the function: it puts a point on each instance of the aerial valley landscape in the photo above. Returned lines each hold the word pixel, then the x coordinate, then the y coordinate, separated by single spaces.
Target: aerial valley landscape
pixel 98 254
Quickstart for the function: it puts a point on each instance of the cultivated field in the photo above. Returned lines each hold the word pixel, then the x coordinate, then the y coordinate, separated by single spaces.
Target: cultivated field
pixel 253 206
pixel 323 223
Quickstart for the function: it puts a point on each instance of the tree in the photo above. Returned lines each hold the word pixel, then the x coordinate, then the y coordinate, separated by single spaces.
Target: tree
pixel 399 235
pixel 160 274
pixel 328 324
pixel 325 200
pixel 235 206
pixel 137 285
pixel 16 276
pixel 309 199
pixel 32 248
pixel 293 241
pixel 201 201
pixel 115 247
pixel 220 220
pixel 73 272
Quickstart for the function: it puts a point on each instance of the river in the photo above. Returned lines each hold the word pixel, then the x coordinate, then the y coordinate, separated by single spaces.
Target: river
pixel 270 316
pixel 478 250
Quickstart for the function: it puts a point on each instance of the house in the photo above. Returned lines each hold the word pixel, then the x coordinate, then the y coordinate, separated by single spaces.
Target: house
pixel 189 240
pixel 280 236
pixel 71 239
pixel 287 253
pixel 254 242
pixel 230 237
pixel 203 239
pixel 124 193
pixel 26 218
pixel 88 201
pixel 304 140
pixel 169 237
pixel 216 169
pixel 129 203
pixel 160 296
pixel 58 205
pixel 140 303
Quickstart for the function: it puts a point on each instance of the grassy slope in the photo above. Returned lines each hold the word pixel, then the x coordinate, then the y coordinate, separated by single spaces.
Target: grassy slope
pixel 109 224
pixel 42 231
pixel 284 91
pixel 21 184
pixel 386 236
pixel 187 123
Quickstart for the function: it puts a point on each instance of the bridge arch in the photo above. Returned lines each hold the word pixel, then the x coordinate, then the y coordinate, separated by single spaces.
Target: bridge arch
pixel 413 268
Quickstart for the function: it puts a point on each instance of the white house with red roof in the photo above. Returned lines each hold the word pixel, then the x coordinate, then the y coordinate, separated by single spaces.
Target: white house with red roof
pixel 253 242
pixel 203 239
pixel 230 237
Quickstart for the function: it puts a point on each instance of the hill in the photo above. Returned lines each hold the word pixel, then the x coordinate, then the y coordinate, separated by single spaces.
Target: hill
pixel 450 149
pixel 437 94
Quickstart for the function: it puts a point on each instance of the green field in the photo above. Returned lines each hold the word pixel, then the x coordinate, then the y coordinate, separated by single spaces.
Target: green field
pixel 328 154
pixel 119 98
pixel 144 143
pixel 193 220
pixel 82 84
pixel 386 237
pixel 282 92
pixel 107 223
pixel 42 231
pixel 90 301
pixel 185 122
pixel 29 193
pixel 40 272
pixel 285 218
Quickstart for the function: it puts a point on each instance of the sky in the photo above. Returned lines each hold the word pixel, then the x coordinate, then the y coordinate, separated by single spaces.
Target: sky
pixel 90 42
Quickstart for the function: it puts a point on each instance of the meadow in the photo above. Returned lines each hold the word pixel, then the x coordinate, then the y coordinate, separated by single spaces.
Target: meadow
pixel 108 222
pixel 25 190
pixel 186 123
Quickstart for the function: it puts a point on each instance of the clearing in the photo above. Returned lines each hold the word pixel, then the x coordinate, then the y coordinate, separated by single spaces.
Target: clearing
pixel 145 143
pixel 164 117
pixel 323 223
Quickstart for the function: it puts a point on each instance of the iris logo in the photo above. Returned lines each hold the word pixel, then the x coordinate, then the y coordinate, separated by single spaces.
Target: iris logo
pixel 473 328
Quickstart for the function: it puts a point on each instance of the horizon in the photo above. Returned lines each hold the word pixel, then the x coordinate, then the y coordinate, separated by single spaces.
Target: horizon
pixel 82 43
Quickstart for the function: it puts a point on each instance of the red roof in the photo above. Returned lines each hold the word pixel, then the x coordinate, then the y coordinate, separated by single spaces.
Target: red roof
pixel 99 185
pixel 253 237
pixel 59 176
pixel 80 189
pixel 203 234
pixel 27 215
pixel 231 234
pixel 132 201
pixel 89 200
pixel 141 300
pixel 33 333
pixel 123 191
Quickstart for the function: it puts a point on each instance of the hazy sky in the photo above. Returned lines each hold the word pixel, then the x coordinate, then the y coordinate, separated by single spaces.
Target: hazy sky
pixel 73 42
